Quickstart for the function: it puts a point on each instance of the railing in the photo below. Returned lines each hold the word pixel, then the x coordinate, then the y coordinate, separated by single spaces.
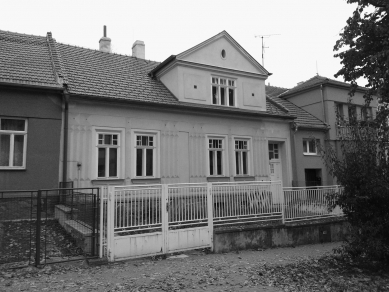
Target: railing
pixel 307 203
pixel 246 202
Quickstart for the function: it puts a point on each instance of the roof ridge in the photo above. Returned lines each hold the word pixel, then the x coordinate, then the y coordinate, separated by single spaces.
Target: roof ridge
pixel 117 54
pixel 56 61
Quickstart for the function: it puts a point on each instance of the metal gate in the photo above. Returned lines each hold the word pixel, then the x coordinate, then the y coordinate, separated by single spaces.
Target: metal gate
pixel 146 220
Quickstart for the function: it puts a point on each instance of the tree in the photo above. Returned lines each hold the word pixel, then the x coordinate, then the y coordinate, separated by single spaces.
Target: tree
pixel 363 48
pixel 362 168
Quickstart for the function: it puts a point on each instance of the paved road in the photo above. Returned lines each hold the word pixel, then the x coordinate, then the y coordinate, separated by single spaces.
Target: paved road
pixel 195 272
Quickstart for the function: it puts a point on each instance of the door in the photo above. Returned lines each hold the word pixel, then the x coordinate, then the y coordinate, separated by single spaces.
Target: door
pixel 275 167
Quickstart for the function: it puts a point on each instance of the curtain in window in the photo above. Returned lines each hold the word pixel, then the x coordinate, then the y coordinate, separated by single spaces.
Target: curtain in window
pixel 4 149
pixel 18 150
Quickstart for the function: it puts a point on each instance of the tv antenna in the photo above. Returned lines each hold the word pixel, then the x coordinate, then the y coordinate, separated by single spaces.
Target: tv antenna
pixel 263 45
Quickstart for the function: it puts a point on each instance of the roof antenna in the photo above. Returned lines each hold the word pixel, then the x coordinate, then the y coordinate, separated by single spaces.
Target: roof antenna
pixel 105 31
pixel 317 71
pixel 263 46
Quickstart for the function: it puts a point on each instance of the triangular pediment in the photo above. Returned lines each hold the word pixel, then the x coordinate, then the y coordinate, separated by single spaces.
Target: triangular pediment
pixel 210 52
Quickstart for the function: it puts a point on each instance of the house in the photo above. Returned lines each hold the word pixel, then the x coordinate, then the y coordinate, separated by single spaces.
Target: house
pixel 309 168
pixel 31 100
pixel 199 116
pixel 327 100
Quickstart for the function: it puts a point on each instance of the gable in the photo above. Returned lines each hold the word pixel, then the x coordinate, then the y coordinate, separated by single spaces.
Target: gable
pixel 210 53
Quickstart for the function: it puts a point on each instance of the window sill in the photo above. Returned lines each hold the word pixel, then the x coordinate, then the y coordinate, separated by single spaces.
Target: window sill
pixel 244 178
pixel 145 181
pixel 12 168
pixel 218 178
pixel 311 154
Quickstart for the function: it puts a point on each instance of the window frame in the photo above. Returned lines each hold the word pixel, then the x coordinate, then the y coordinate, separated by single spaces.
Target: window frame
pixel 278 150
pixel 227 86
pixel 120 153
pixel 12 134
pixel 307 140
pixel 224 159
pixel 156 153
pixel 248 156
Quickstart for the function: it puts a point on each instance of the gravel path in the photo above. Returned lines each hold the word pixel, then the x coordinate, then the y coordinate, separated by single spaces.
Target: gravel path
pixel 196 272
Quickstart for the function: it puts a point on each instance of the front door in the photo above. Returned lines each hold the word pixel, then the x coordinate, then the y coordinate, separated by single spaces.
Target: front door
pixel 275 162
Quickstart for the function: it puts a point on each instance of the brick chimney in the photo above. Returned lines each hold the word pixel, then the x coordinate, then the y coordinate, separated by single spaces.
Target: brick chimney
pixel 138 49
pixel 105 42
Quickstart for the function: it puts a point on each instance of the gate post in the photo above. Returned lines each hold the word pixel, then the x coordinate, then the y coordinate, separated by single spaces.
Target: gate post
pixel 165 218
pixel 38 229
pixel 210 213
pixel 111 224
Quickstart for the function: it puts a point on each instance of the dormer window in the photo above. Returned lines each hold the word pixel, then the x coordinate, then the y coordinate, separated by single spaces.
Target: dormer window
pixel 223 91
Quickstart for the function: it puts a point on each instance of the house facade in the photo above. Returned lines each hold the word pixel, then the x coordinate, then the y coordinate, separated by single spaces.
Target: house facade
pixel 30 113
pixel 328 101
pixel 200 116
pixel 309 168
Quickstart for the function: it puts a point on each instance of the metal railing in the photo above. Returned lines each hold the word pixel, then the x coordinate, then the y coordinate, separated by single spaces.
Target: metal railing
pixel 246 202
pixel 308 203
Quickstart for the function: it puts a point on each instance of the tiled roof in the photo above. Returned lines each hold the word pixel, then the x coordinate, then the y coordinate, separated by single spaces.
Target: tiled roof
pixel 99 74
pixel 25 59
pixel 36 60
pixel 316 81
pixel 304 118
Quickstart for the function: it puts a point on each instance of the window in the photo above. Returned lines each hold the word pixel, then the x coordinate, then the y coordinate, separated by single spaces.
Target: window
pixel 223 91
pixel 273 151
pixel 339 113
pixel 108 145
pixel 145 155
pixel 310 146
pixel 241 157
pixel 13 139
pixel 216 156
pixel 366 113
pixel 352 112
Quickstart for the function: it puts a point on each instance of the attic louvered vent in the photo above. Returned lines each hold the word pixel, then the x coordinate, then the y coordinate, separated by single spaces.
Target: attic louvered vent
pixel 223 54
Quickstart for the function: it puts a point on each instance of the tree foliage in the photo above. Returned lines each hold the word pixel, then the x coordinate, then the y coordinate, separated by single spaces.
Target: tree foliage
pixel 361 166
pixel 363 48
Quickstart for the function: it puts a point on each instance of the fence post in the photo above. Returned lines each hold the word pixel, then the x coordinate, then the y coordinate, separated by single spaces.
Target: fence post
pixel 210 212
pixel 165 218
pixel 101 231
pixel 111 224
pixel 38 229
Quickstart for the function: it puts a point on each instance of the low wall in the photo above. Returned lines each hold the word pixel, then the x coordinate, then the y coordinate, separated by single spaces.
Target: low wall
pixel 254 237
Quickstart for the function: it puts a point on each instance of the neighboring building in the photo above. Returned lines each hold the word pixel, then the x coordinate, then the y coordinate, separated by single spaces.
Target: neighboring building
pixel 328 100
pixel 30 112
pixel 198 116
pixel 308 166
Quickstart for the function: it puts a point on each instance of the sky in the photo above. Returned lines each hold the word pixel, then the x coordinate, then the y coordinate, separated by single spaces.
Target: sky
pixel 303 32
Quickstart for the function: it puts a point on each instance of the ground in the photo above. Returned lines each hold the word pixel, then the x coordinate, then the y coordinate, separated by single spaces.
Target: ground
pixel 303 268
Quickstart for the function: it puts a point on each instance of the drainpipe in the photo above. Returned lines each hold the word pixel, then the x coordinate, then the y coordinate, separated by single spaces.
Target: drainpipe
pixel 65 138
pixel 322 102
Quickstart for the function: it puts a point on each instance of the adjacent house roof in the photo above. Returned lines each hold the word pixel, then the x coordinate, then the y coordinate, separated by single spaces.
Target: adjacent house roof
pixel 28 60
pixel 315 82
pixel 304 119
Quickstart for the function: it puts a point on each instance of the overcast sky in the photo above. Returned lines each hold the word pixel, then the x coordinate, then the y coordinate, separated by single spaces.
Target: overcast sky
pixel 308 29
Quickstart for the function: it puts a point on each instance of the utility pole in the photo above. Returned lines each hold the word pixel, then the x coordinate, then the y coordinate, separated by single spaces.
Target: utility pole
pixel 263 45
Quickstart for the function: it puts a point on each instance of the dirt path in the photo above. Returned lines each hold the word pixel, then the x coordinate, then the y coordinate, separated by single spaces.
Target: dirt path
pixel 196 272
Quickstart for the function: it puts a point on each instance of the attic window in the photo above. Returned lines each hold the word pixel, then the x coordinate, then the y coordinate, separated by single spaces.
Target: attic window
pixel 223 54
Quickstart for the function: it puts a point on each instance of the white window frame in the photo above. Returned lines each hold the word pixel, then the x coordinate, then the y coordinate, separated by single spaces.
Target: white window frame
pixel 278 151
pixel 227 86
pixel 310 151
pixel 248 157
pixel 12 134
pixel 120 153
pixel 156 153
pixel 224 150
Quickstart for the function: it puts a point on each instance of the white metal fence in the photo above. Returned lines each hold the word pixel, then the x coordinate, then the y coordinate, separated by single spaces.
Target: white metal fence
pixel 142 220
pixel 308 203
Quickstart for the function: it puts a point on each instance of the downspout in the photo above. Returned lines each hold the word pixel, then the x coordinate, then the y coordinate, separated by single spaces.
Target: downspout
pixel 322 102
pixel 65 139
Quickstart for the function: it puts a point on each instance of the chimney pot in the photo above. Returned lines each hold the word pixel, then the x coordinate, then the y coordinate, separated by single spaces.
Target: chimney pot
pixel 138 49
pixel 105 42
